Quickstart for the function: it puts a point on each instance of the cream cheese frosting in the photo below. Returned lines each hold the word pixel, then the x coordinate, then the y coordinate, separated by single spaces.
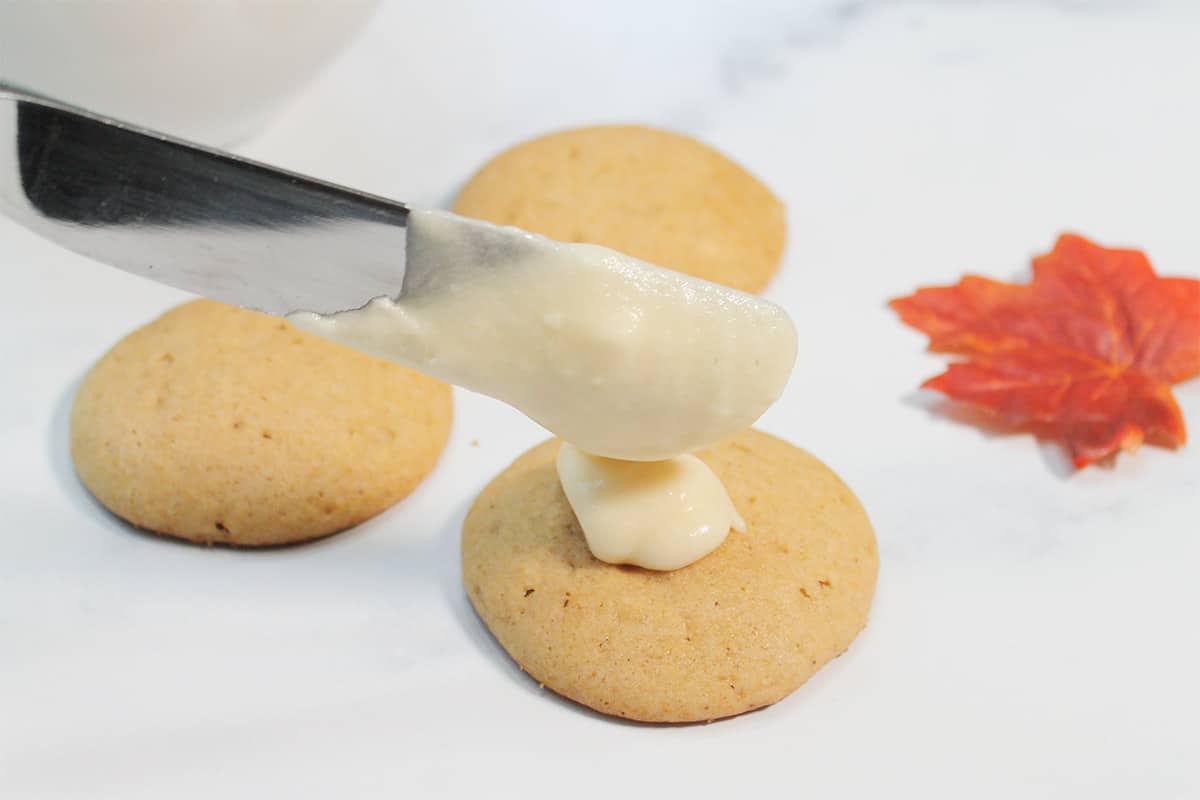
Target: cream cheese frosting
pixel 624 360
pixel 656 514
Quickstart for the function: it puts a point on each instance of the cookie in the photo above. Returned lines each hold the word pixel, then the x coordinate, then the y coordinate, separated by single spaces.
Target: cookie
pixel 660 196
pixel 221 425
pixel 736 630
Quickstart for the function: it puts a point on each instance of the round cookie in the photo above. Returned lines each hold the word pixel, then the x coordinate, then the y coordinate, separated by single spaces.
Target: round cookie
pixel 222 425
pixel 736 630
pixel 660 196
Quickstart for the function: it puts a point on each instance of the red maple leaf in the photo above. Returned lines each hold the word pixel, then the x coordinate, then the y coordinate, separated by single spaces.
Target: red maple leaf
pixel 1085 353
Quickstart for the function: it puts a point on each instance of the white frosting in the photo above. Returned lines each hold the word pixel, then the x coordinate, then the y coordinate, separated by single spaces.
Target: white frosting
pixel 656 514
pixel 619 357
pixel 633 364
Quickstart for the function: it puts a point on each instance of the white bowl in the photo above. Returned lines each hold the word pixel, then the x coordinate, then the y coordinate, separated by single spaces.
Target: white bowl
pixel 209 70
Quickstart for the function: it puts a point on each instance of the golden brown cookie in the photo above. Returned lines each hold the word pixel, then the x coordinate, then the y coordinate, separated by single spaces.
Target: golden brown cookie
pixel 660 196
pixel 737 630
pixel 217 424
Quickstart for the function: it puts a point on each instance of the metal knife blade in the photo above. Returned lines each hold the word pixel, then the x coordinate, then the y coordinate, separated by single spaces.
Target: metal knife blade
pixel 193 217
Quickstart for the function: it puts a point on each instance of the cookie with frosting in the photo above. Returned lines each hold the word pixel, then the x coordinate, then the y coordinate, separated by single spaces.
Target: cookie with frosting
pixel 737 630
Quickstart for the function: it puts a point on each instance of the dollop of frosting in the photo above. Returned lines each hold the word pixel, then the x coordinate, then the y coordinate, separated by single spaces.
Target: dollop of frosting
pixel 617 356
pixel 632 364
pixel 660 515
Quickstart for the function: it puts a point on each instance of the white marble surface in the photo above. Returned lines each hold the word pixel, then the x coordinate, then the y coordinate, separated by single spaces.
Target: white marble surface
pixel 1034 631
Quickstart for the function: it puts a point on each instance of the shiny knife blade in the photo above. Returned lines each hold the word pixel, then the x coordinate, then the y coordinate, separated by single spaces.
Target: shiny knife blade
pixel 193 217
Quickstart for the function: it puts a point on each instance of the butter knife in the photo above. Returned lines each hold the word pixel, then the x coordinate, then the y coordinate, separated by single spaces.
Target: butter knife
pixel 210 222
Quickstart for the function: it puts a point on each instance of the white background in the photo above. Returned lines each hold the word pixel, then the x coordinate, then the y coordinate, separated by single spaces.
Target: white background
pixel 1034 632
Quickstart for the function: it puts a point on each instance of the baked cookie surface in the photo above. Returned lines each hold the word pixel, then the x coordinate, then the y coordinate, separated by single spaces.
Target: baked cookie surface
pixel 221 425
pixel 736 630
pixel 660 196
